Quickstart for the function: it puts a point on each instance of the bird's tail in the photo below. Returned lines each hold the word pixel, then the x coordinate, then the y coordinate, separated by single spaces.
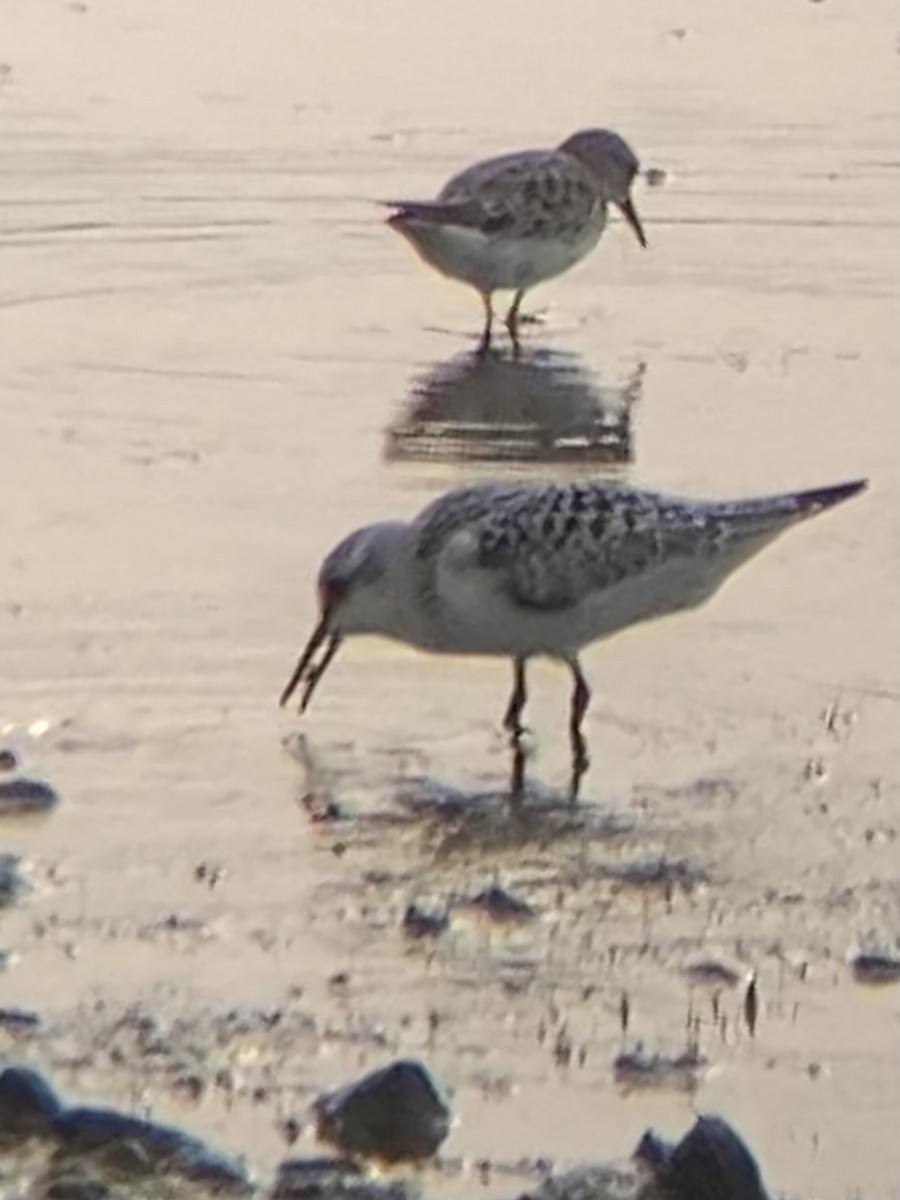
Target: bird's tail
pixel 771 514
pixel 818 499
pixel 435 212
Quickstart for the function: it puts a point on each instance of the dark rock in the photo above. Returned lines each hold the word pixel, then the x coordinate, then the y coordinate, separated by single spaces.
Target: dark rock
pixel 18 1022
pixel 19 796
pixel 682 1072
pixel 498 906
pixel 124 1145
pixel 711 1162
pixel 28 1105
pixel 189 1087
pixel 711 974
pixel 418 924
pixel 396 1114
pixel 877 969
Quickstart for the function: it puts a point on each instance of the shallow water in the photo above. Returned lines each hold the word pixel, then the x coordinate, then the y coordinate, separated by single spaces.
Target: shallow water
pixel 209 336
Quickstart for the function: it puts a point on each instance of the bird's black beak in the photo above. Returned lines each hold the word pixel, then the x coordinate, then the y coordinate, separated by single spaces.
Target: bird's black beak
pixel 306 667
pixel 629 212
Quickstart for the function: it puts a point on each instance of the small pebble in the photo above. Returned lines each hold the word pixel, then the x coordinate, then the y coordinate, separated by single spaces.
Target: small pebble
pixel 19 1022
pixel 418 924
pixel 710 973
pixel 20 797
pixel 876 969
pixel 639 1070
pixel 497 906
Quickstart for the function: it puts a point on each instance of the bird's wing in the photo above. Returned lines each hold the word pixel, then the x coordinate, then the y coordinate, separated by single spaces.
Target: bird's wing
pixel 515 192
pixel 563 543
pixel 548 547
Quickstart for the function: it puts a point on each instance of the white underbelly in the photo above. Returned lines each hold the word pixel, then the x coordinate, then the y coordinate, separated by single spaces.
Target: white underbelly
pixel 478 617
pixel 493 261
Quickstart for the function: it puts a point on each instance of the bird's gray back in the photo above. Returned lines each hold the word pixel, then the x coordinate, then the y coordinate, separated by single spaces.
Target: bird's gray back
pixel 505 168
pixel 521 191
pixel 550 546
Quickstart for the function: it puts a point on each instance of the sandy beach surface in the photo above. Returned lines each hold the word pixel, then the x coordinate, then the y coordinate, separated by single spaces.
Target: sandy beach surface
pixel 206 332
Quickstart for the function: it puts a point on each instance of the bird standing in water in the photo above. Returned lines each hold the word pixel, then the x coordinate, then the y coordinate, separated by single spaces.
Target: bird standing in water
pixel 511 222
pixel 518 570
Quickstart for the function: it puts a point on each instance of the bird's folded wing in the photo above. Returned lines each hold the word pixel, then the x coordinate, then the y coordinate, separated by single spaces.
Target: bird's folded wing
pixel 549 548
pixel 519 193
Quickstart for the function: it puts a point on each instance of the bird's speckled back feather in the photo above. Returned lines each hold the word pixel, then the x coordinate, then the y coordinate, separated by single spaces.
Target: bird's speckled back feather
pixel 530 193
pixel 553 545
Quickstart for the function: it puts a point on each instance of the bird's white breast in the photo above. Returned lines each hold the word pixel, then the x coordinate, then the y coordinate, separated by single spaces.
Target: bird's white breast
pixel 491 261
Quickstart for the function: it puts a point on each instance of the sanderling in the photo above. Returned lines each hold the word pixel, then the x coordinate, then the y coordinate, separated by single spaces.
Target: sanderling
pixel 512 222
pixel 519 570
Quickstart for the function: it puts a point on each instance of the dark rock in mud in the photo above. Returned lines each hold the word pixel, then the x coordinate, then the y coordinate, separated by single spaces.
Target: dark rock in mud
pixel 711 974
pixel 120 1145
pixel 333 1179
pixel 418 924
pixel 28 1105
pixel 876 969
pixel 498 906
pixel 12 881
pixel 396 1114
pixel 20 796
pixel 637 1069
pixel 711 1162
pixel 18 1022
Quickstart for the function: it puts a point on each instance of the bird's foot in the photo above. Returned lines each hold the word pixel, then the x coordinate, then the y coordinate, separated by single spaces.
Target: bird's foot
pixel 580 766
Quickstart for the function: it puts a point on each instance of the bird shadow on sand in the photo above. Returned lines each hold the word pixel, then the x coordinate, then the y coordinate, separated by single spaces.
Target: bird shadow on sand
pixel 555 844
pixel 543 407
pixel 483 822
pixel 442 824
pixel 449 819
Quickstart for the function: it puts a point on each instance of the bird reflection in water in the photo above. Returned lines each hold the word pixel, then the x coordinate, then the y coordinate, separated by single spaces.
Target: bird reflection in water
pixel 543 407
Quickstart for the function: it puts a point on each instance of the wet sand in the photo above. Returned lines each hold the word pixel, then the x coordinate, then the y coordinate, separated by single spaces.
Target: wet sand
pixel 207 332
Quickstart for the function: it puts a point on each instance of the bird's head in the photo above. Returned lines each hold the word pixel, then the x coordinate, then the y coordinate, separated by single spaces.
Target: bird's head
pixel 614 166
pixel 357 593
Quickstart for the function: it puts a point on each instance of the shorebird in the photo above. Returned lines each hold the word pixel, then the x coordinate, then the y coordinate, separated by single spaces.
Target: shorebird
pixel 511 222
pixel 520 570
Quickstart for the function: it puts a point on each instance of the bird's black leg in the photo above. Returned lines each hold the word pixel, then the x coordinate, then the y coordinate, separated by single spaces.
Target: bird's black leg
pixel 485 344
pixel 512 723
pixel 512 319
pixel 581 698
